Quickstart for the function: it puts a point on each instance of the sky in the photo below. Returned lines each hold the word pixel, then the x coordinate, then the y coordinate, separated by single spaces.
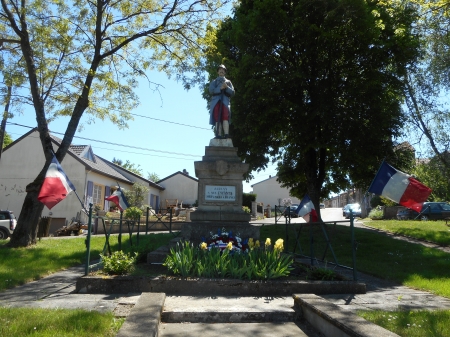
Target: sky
pixel 170 137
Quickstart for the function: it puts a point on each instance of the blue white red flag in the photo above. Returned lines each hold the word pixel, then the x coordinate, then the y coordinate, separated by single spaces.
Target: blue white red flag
pixel 56 185
pixel 399 187
pixel 119 199
pixel 307 210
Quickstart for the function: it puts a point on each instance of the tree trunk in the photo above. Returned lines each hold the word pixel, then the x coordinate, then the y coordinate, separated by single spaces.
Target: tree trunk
pixel 25 233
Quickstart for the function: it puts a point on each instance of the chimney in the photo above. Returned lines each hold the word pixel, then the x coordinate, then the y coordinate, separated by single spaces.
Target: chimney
pixel 185 172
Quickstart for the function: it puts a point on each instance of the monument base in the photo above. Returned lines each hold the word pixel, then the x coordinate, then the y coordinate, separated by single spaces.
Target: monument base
pixel 194 231
pixel 223 216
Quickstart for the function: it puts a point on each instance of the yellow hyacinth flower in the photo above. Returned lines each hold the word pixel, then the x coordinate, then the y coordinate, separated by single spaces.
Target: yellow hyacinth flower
pixel 257 244
pixel 203 246
pixel 268 243
pixel 251 244
pixel 279 245
pixel 230 245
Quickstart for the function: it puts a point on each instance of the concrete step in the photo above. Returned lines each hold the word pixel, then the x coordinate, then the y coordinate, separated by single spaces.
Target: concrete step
pixel 160 254
pixel 197 309
pixel 285 329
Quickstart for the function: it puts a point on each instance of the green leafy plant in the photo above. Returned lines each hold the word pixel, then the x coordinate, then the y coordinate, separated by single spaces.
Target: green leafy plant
pixel 246 209
pixel 118 263
pixel 376 214
pixel 133 213
pixel 323 274
pixel 257 264
pixel 181 259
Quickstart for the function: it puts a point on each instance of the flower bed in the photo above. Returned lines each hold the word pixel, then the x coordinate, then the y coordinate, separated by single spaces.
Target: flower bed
pixel 225 255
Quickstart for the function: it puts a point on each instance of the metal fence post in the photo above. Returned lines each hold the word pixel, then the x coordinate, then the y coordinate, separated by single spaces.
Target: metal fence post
pixel 146 221
pixel 119 239
pixel 352 230
pixel 170 223
pixel 88 242
pixel 311 241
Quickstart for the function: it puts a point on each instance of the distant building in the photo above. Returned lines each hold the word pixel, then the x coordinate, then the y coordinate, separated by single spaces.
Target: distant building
pixel 94 178
pixel 179 186
pixel 270 192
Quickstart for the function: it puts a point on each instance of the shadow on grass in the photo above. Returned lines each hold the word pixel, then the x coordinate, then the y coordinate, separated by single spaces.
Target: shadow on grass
pixel 377 254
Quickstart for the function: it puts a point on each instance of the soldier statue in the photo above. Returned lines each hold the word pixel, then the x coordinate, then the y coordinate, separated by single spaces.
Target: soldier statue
pixel 221 91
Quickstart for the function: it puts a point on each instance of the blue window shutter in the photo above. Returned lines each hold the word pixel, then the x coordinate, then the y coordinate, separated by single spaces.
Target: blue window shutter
pixel 152 202
pixel 107 194
pixel 157 204
pixel 89 192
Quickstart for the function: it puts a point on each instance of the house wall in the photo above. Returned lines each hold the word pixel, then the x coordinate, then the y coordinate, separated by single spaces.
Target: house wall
pixel 269 191
pixel 153 193
pixel 21 163
pixel 179 187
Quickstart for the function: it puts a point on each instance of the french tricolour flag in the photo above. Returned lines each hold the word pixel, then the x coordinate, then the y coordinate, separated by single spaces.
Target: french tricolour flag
pixel 119 199
pixel 399 187
pixel 306 210
pixel 56 185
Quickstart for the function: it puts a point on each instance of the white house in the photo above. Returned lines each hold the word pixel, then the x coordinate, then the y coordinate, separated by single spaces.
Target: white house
pixel 94 178
pixel 271 193
pixel 179 186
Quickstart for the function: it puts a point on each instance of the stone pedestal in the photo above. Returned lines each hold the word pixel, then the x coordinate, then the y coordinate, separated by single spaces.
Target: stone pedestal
pixel 220 175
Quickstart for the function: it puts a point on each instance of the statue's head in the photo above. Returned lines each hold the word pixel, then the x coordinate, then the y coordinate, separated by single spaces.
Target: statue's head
pixel 221 70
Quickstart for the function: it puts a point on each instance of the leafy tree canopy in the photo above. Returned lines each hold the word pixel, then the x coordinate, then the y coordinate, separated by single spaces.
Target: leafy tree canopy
pixel 428 85
pixel 6 140
pixel 128 166
pixel 318 87
pixel 137 195
pixel 73 57
pixel 434 174
pixel 153 176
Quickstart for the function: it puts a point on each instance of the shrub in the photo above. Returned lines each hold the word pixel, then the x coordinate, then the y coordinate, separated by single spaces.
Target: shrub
pixel 247 199
pixel 376 213
pixel 133 213
pixel 118 263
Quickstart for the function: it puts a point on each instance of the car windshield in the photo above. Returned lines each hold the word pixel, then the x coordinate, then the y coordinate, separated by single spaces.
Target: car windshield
pixel 354 206
pixel 446 207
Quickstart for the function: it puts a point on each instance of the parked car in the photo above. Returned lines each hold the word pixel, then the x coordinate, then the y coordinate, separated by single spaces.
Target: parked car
pixel 7 224
pixel 430 211
pixel 291 210
pixel 356 209
pixel 322 205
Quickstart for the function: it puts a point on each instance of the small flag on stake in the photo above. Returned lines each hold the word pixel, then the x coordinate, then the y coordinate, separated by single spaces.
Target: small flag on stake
pixel 119 199
pixel 56 185
pixel 307 210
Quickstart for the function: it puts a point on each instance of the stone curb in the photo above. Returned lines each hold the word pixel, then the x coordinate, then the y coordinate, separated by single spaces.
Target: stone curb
pixel 331 320
pixel 145 317
pixel 214 287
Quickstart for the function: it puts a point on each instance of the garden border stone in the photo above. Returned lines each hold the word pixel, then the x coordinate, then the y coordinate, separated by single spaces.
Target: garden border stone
pixel 213 287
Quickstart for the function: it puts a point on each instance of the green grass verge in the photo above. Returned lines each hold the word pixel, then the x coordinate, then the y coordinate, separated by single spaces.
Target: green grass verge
pixel 434 231
pixel 54 254
pixel 379 255
pixel 421 323
pixel 57 322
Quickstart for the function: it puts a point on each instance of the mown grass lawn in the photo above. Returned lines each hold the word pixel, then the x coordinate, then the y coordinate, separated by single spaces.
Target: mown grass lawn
pixel 379 255
pixel 433 231
pixel 38 322
pixel 382 256
pixel 22 265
